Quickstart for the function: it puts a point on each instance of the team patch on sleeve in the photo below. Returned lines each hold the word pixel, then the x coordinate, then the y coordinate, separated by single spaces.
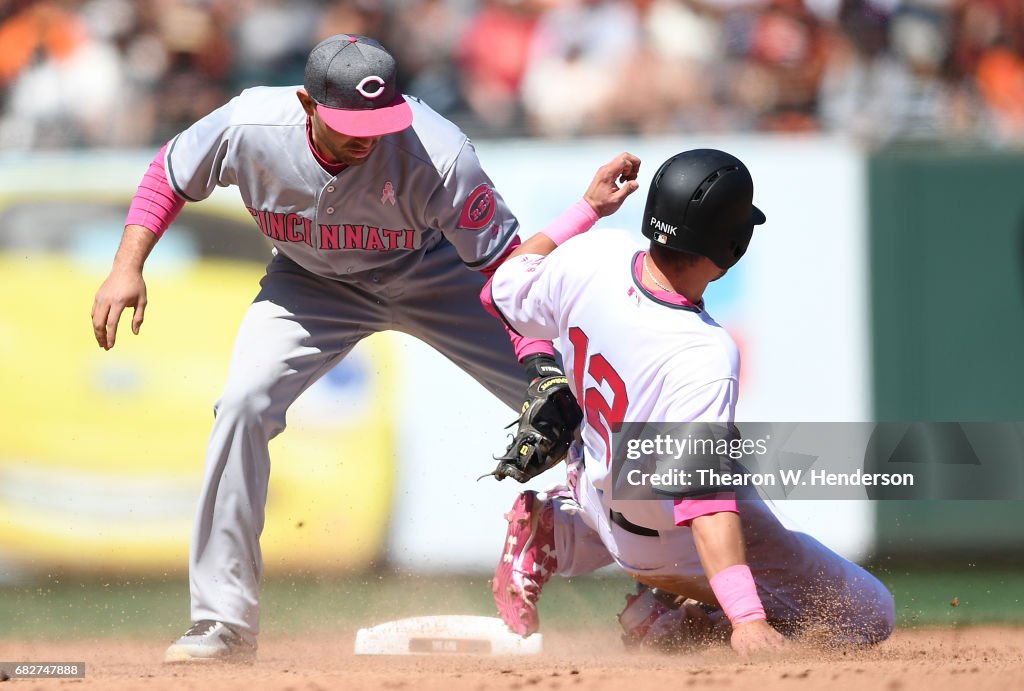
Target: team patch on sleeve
pixel 478 209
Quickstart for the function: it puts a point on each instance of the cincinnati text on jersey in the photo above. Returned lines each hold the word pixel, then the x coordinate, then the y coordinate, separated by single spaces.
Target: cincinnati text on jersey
pixel 292 227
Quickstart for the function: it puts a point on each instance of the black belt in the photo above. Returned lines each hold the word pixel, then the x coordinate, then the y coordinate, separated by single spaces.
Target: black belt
pixel 620 520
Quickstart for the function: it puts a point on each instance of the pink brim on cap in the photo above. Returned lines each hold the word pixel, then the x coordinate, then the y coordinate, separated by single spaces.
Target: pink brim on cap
pixel 368 123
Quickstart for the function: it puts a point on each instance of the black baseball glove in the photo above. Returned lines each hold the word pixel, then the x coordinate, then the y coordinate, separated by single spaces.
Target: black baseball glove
pixel 546 427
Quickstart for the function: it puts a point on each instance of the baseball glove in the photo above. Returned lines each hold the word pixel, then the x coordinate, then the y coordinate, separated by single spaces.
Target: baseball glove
pixel 546 428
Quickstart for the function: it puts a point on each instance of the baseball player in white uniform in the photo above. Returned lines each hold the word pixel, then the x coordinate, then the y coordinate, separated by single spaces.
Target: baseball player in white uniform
pixel 381 218
pixel 639 346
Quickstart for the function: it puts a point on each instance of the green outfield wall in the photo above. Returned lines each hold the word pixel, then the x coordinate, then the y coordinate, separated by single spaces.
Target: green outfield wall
pixel 946 233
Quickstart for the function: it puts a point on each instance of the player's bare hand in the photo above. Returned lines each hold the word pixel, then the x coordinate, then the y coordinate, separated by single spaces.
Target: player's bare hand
pixel 613 182
pixel 122 289
pixel 757 637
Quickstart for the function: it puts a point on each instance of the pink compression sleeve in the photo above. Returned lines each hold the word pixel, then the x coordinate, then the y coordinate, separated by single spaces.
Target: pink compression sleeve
pixel 521 344
pixel 736 592
pixel 155 205
pixel 577 219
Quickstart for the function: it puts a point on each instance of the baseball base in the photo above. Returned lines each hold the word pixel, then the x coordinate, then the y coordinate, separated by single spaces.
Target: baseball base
pixel 446 635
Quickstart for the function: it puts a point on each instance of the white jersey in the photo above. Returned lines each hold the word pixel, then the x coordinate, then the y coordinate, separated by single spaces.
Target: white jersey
pixel 631 355
pixel 418 185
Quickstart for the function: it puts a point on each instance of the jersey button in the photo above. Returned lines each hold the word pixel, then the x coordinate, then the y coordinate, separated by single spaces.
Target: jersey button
pixel 330 188
pixel 375 278
pixel 330 209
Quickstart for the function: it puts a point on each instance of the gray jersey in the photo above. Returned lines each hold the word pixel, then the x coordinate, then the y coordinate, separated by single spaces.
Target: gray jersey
pixel 379 246
pixel 420 183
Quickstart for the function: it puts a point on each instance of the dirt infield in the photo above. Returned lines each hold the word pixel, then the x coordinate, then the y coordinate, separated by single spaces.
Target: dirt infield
pixel 936 660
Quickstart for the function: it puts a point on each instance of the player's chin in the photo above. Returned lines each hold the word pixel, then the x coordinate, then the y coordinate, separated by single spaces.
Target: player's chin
pixel 357 157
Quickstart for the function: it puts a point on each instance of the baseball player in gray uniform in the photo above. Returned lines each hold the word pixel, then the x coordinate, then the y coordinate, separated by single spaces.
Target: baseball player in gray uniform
pixel 381 218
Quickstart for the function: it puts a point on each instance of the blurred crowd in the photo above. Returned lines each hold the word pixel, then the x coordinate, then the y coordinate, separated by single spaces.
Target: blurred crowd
pixel 127 73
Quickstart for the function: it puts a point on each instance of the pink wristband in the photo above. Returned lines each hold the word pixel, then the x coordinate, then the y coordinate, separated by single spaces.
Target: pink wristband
pixel 734 587
pixel 577 219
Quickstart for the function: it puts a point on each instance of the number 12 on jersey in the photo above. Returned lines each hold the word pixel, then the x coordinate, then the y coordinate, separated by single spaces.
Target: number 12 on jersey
pixel 604 417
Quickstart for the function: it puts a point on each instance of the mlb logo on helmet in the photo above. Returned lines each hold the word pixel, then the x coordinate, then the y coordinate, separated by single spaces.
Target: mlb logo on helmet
pixel 661 238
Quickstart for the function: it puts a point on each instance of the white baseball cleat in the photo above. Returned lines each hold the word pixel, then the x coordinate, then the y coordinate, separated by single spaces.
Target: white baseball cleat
pixel 212 641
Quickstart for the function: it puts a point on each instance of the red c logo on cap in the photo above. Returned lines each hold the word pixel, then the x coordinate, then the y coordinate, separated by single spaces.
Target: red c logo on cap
pixel 478 209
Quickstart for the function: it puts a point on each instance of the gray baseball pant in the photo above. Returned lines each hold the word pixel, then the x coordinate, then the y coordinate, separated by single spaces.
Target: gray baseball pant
pixel 300 326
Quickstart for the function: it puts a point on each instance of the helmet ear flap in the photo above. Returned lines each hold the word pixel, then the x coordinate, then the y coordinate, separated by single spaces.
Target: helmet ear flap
pixel 740 242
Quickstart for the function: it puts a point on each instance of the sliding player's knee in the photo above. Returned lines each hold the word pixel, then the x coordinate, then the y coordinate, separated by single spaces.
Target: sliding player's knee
pixel 884 621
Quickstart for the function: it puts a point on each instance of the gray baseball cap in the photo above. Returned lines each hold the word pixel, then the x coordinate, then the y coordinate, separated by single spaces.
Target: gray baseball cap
pixel 353 79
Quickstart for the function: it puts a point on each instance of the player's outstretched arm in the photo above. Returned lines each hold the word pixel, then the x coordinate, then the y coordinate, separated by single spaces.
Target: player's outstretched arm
pixel 612 183
pixel 719 541
pixel 123 287
pixel 154 207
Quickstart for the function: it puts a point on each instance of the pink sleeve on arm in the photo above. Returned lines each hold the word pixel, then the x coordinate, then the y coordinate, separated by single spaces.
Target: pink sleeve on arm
pixel 577 219
pixel 685 510
pixel 523 346
pixel 155 205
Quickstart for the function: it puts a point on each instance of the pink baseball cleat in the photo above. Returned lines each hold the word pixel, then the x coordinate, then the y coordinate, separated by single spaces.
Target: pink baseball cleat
pixel 527 562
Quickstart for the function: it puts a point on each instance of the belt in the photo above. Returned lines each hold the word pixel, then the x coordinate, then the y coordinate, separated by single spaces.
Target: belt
pixel 620 520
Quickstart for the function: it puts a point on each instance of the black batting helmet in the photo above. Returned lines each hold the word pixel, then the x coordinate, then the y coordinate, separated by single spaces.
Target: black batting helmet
pixel 701 201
